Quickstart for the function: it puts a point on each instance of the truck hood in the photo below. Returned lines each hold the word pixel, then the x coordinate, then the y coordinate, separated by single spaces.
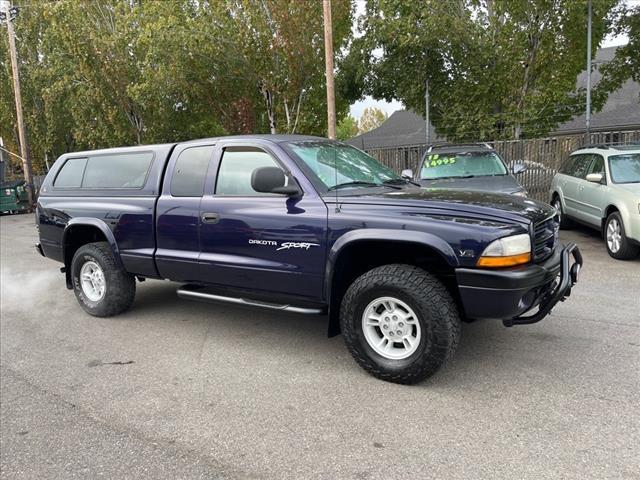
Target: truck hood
pixel 455 202
pixel 495 184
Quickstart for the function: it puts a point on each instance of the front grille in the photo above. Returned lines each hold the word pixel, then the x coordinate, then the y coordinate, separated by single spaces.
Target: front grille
pixel 545 238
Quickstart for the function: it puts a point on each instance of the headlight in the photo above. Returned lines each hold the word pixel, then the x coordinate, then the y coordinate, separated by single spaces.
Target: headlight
pixel 507 252
pixel 520 193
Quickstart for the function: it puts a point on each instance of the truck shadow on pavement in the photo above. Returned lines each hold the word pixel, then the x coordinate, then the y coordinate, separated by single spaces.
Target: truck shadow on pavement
pixel 487 349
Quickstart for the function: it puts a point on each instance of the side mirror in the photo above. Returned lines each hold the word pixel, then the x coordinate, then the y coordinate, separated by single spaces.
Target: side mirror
pixel 273 180
pixel 519 168
pixel 408 174
pixel 595 177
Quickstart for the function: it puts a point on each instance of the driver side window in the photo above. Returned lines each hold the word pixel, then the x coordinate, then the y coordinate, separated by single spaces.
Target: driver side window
pixel 236 166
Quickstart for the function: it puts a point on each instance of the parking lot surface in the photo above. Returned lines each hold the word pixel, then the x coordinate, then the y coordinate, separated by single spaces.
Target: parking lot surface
pixel 178 389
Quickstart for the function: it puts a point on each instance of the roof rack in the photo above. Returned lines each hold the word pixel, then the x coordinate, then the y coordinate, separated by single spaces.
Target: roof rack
pixel 606 146
pixel 458 145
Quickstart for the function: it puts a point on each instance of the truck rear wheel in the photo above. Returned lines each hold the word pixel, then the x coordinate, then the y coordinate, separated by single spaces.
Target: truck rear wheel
pixel 399 323
pixel 102 287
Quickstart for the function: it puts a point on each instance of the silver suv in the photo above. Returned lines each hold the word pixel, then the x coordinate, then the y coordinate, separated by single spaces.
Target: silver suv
pixel 599 186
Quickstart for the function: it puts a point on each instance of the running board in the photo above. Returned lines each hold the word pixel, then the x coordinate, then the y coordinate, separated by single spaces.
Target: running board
pixel 191 294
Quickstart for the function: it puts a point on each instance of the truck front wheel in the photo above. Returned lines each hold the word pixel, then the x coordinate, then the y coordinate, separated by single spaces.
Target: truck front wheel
pixel 102 287
pixel 399 323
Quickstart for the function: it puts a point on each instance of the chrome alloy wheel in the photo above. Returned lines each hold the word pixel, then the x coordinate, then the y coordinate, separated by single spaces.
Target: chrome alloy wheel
pixel 391 328
pixel 614 235
pixel 92 281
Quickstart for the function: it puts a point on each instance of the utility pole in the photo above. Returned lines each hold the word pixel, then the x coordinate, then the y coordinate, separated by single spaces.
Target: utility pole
pixel 328 60
pixel 10 14
pixel 426 112
pixel 588 112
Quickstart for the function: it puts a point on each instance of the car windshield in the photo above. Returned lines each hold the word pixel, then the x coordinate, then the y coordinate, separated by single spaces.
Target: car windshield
pixel 461 165
pixel 625 168
pixel 342 166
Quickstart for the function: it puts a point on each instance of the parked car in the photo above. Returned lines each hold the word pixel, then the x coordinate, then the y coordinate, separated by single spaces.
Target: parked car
pixel 467 167
pixel 599 186
pixel 305 225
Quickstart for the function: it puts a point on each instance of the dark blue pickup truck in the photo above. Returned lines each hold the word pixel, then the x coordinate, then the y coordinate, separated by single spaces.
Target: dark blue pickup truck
pixel 306 225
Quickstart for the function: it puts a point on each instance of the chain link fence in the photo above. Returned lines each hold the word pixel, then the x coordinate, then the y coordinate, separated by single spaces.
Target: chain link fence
pixel 541 155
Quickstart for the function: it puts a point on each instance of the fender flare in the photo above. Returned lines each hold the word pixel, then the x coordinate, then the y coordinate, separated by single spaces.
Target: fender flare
pixel 398 236
pixel 88 222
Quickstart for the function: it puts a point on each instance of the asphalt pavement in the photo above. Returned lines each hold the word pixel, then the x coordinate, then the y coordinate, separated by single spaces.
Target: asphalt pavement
pixel 179 389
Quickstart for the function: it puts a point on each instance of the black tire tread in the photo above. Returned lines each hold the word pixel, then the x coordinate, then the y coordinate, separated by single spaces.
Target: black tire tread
pixel 121 286
pixel 426 291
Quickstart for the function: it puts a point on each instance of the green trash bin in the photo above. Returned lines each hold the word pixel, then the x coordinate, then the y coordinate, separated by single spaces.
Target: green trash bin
pixel 14 197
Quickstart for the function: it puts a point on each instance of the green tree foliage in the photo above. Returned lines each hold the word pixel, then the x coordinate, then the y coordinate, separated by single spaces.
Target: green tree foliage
pixel 371 118
pixel 626 63
pixel 101 73
pixel 347 128
pixel 496 68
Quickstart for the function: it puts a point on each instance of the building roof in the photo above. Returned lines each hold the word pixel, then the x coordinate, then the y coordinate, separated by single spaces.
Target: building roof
pixel 621 111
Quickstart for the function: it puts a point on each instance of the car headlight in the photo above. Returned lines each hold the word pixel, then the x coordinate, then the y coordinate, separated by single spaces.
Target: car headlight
pixel 507 252
pixel 520 193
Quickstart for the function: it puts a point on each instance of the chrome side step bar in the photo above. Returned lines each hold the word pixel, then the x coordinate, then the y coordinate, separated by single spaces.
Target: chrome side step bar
pixel 191 294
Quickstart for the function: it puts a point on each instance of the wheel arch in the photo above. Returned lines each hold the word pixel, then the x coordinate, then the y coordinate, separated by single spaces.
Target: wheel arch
pixel 360 250
pixel 80 231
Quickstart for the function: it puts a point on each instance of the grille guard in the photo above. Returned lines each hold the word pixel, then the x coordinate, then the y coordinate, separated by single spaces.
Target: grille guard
pixel 568 278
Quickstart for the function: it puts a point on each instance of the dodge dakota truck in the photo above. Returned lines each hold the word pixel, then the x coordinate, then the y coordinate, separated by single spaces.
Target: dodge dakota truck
pixel 306 225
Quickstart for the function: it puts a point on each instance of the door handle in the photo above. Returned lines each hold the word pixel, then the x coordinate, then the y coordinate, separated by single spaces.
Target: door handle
pixel 210 217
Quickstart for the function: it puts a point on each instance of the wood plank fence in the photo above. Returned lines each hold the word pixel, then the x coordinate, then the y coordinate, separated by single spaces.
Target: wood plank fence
pixel 542 156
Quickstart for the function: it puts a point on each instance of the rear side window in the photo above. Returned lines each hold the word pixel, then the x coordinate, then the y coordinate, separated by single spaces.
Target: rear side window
pixel 190 172
pixel 70 175
pixel 234 175
pixel 123 170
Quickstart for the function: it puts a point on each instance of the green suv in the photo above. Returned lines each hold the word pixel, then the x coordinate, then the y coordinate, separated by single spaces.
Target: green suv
pixel 599 186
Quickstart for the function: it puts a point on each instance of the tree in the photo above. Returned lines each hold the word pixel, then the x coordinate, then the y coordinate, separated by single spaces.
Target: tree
pixel 496 68
pixel 371 118
pixel 347 128
pixel 106 73
pixel 626 62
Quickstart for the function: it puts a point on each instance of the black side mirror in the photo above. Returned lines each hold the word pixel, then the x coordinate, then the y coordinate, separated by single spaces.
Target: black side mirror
pixel 273 180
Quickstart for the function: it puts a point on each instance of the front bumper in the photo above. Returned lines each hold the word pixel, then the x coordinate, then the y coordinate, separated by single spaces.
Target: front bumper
pixel 510 294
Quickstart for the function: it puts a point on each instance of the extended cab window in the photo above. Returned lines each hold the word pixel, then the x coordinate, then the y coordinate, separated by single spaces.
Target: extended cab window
pixel 190 172
pixel 122 170
pixel 236 167
pixel 70 175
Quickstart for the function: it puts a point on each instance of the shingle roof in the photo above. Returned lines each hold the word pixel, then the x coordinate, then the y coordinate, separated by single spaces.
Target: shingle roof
pixel 621 111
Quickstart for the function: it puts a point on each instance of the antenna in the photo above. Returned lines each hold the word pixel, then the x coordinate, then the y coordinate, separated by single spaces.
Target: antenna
pixel 335 170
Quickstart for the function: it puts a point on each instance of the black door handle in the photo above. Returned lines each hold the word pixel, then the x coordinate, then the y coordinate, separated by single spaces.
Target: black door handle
pixel 210 217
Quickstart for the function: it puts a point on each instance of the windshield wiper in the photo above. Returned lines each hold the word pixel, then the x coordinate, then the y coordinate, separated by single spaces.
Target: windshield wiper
pixel 358 183
pixel 450 176
pixel 353 184
pixel 398 181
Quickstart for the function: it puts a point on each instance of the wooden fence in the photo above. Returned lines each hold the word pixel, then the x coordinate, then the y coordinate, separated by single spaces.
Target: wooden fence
pixel 541 155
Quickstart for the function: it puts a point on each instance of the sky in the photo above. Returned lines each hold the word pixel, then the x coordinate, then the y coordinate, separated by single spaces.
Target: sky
pixel 357 108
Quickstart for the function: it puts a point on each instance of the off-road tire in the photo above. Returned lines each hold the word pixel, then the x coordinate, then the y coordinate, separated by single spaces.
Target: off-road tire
pixel 120 286
pixel 565 222
pixel 436 311
pixel 627 250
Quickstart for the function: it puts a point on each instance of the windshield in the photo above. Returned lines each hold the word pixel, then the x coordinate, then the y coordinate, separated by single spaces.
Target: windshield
pixel 625 168
pixel 355 169
pixel 461 164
